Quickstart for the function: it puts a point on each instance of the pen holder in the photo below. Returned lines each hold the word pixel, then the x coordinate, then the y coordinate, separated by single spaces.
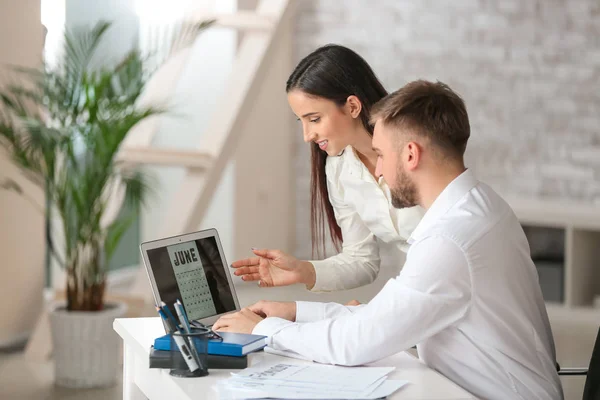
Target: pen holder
pixel 189 353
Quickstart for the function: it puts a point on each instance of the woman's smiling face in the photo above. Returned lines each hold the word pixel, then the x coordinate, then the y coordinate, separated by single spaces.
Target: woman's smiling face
pixel 324 122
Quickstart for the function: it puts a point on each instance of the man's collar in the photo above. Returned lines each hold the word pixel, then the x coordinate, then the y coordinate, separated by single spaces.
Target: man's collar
pixel 448 198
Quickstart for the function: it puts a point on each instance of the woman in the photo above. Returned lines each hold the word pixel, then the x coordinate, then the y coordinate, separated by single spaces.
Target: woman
pixel 331 91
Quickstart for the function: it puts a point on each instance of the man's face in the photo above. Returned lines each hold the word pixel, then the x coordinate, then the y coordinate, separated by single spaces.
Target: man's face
pixel 392 154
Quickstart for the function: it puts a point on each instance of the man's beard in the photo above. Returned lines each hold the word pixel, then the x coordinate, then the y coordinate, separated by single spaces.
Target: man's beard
pixel 404 193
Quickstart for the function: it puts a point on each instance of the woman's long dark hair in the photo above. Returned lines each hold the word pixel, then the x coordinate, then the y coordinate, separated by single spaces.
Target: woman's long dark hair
pixel 332 72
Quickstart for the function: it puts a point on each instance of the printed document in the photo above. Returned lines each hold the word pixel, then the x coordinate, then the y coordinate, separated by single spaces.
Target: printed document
pixel 309 381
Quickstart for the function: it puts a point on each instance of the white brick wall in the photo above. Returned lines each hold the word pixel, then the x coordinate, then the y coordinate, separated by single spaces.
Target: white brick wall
pixel 529 71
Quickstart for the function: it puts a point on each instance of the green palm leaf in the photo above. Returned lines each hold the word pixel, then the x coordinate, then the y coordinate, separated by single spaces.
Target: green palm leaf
pixel 64 126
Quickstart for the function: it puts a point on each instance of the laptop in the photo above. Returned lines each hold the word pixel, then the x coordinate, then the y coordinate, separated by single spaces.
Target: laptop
pixel 193 269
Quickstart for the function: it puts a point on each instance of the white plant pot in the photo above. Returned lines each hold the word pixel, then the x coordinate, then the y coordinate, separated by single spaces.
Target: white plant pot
pixel 86 348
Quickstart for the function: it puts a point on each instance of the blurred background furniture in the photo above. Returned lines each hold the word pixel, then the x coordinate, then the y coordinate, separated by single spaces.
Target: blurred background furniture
pixel 591 390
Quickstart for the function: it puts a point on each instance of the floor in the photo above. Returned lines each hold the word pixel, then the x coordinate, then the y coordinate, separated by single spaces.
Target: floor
pixel 22 380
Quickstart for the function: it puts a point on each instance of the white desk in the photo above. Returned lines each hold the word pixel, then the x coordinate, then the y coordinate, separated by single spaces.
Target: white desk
pixel 141 382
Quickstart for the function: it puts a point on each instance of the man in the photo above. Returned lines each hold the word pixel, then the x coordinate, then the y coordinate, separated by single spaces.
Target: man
pixel 468 295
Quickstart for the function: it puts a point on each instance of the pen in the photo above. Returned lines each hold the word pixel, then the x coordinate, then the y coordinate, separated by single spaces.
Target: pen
pixel 182 317
pixel 168 323
pixel 180 342
pixel 186 326
pixel 170 316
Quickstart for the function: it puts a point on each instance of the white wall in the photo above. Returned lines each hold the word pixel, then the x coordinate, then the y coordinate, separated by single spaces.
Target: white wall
pixel 123 34
pixel 193 103
pixel 22 247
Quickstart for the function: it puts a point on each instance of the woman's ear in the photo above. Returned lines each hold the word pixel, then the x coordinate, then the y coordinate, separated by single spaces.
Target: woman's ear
pixel 354 106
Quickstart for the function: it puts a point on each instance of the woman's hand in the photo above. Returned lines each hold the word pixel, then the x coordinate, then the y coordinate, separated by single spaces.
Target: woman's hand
pixel 275 268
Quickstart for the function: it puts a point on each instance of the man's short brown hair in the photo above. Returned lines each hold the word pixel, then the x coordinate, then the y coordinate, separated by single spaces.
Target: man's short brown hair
pixel 428 109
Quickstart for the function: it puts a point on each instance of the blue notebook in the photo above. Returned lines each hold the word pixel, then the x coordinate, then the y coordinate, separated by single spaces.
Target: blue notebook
pixel 233 344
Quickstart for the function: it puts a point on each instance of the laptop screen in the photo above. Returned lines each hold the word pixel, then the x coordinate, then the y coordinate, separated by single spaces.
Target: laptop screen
pixel 193 273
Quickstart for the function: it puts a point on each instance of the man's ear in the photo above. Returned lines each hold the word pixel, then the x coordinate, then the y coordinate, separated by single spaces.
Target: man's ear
pixel 412 155
pixel 354 106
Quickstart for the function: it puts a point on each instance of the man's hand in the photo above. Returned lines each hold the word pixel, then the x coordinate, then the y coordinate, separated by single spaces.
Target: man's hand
pixel 353 303
pixel 285 310
pixel 240 322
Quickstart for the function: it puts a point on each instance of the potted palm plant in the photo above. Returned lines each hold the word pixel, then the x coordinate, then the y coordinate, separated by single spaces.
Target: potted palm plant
pixel 63 126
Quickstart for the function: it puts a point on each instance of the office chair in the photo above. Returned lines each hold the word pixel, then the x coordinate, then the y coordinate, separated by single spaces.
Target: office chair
pixel 591 389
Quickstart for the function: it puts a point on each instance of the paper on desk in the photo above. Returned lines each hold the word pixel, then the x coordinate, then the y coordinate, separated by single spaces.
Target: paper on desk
pixel 253 384
pixel 292 381
pixel 285 353
pixel 355 378
pixel 298 387
pixel 385 389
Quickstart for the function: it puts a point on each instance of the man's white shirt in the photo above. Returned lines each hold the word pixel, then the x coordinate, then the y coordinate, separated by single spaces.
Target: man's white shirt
pixel 468 297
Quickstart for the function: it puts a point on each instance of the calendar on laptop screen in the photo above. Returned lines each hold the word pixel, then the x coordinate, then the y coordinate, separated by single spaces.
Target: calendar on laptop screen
pixel 193 273
pixel 191 279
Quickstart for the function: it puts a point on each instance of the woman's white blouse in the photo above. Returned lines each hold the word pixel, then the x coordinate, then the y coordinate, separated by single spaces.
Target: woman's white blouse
pixel 365 214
